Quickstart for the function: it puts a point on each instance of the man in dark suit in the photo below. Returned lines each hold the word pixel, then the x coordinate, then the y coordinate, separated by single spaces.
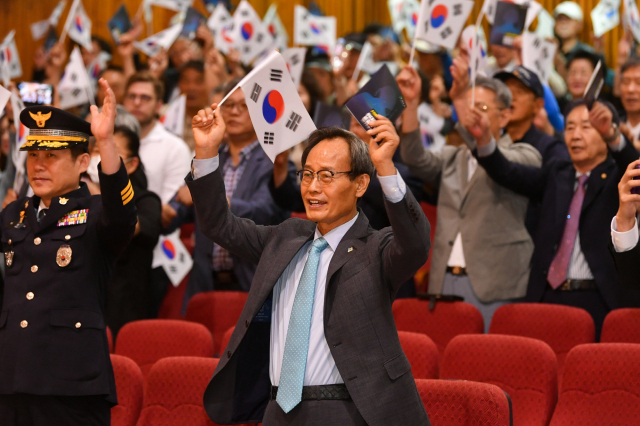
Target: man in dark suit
pixel 570 263
pixel 59 248
pixel 624 229
pixel 316 343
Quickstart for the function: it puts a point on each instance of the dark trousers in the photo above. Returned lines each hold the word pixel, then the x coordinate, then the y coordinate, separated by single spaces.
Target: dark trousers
pixel 314 413
pixel 589 300
pixel 38 410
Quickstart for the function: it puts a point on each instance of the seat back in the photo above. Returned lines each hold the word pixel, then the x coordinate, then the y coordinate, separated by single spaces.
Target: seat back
pixel 443 323
pixel 621 326
pixel 561 327
pixel 216 310
pixel 462 403
pixel 600 386
pixel 526 369
pixel 147 341
pixel 174 392
pixel 422 354
pixel 129 388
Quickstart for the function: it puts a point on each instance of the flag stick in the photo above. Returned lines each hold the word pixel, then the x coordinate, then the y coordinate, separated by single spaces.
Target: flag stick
pixel 227 97
pixel 473 39
pixel 140 9
pixel 67 23
pixel 413 52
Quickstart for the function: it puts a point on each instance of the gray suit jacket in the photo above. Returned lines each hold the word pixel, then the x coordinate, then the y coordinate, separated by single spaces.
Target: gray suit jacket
pixel 358 321
pixel 497 247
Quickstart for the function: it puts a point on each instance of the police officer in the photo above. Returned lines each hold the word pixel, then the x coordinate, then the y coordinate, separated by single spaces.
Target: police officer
pixel 59 247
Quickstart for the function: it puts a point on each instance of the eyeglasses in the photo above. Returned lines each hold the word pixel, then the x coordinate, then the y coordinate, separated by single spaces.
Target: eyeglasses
pixel 228 107
pixel 325 177
pixel 143 98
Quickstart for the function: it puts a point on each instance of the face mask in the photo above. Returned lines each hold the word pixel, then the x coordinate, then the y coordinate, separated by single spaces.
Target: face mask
pixel 92 171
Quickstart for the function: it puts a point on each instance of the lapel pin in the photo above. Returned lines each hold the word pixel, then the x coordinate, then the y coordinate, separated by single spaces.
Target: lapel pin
pixel 603 176
pixel 63 201
pixel 26 204
pixel 350 249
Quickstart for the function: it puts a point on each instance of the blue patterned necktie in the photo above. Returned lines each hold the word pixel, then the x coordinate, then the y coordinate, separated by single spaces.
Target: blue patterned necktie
pixel 296 347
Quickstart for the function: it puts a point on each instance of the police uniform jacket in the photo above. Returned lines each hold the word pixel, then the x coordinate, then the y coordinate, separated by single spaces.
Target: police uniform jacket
pixel 52 322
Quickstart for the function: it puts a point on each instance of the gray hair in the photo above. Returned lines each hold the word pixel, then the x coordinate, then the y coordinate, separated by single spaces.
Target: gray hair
pixel 125 119
pixel 502 92
pixel 359 151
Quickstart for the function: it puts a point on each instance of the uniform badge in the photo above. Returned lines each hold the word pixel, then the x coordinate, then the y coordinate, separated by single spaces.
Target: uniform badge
pixel 22 213
pixel 76 217
pixel 40 118
pixel 63 257
pixel 63 200
pixel 8 258
pixel 26 204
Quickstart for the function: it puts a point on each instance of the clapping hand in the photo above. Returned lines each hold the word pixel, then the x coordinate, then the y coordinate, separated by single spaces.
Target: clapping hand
pixel 208 131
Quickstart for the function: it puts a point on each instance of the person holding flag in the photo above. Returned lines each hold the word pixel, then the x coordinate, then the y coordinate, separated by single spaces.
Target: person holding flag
pixel 59 248
pixel 292 359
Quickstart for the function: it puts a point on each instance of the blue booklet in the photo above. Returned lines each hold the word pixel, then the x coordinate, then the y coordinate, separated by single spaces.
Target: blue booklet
pixel 192 21
pixel 380 96
pixel 119 24
pixel 508 23
pixel 326 115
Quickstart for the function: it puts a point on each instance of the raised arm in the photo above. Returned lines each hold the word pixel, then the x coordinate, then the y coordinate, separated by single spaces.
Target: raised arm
pixel 422 163
pixel 119 217
pixel 240 236
pixel 406 247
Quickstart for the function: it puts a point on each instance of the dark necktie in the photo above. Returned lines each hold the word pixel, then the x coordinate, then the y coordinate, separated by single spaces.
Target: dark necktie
pixel 560 265
pixel 41 214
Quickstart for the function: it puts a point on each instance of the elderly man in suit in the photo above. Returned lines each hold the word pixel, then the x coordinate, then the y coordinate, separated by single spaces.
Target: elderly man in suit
pixel 481 248
pixel 570 264
pixel 316 343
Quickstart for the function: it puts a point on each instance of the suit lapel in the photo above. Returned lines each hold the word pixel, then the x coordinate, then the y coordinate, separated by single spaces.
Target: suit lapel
pixel 247 177
pixel 351 239
pixel 565 183
pixel 596 181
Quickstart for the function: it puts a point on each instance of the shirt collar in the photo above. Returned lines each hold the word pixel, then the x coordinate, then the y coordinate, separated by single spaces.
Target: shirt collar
pixel 336 235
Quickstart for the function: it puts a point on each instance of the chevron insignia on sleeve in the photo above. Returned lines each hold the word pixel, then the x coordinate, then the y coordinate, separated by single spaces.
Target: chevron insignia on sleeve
pixel 127 194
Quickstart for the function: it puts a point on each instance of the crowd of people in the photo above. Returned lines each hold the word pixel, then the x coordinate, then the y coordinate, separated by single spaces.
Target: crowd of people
pixel 526 179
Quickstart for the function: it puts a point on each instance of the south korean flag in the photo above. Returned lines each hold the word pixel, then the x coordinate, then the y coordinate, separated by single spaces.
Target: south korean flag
pixel 219 23
pixel 75 86
pixel 151 46
pixel 9 56
pixel 312 30
pixel 295 62
pixel 538 55
pixel 251 37
pixel 277 112
pixel 441 21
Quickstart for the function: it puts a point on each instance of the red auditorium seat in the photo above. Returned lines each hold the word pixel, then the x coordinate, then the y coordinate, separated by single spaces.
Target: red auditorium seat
pixel 462 403
pixel 422 354
pixel 226 337
pixel 526 369
pixel 600 386
pixel 110 340
pixel 129 388
pixel 147 341
pixel 216 310
pixel 561 327
pixel 447 320
pixel 621 326
pixel 174 392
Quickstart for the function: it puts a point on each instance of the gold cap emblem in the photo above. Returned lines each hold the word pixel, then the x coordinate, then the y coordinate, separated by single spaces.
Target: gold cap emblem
pixel 39 118
pixel 63 200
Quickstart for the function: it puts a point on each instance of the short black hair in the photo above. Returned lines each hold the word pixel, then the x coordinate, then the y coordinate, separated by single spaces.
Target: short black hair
pixel 582 102
pixel 104 44
pixel 426 86
pixel 358 150
pixel 592 57
pixel 78 150
pixel 192 65
pixel 309 81
pixel 632 62
pixel 133 140
pixel 231 85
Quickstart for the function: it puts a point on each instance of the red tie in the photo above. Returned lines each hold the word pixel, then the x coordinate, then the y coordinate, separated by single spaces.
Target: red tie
pixel 558 270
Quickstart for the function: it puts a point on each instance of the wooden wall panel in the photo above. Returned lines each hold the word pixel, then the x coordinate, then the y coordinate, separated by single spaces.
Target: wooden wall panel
pixel 352 15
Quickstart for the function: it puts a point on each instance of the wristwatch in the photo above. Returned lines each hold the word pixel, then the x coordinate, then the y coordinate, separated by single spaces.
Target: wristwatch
pixel 616 133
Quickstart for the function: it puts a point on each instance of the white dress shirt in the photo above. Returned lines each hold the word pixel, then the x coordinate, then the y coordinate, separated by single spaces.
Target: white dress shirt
pixel 321 368
pixel 635 131
pixel 624 241
pixel 166 160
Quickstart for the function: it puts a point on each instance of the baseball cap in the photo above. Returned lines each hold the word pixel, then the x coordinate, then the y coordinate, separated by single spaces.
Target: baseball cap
pixel 526 77
pixel 570 9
